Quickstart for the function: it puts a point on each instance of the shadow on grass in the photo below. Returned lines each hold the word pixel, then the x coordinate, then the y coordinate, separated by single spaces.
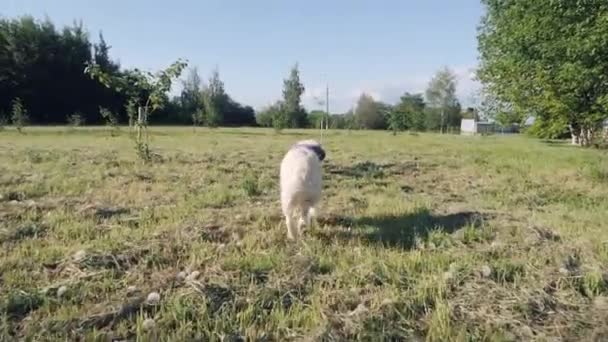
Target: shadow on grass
pixel 371 170
pixel 360 170
pixel 256 133
pixel 399 231
pixel 557 143
pixel 242 133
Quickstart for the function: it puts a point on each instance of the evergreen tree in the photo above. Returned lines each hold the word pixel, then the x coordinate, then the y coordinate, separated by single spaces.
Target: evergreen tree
pixel 293 89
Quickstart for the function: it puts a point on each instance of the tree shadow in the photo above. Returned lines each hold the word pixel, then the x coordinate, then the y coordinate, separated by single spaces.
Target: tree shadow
pixel 242 133
pixel 360 170
pixel 399 231
pixel 371 170
pixel 260 133
pixel 557 143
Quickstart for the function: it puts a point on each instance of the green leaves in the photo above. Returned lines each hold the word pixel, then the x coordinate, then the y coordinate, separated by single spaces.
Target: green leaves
pixel 369 113
pixel 20 116
pixel 412 106
pixel 441 91
pixel 135 81
pixel 441 97
pixel 549 58
pixel 292 95
pixel 214 99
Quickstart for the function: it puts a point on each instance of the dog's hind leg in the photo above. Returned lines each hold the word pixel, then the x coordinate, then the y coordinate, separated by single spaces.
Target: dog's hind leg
pixel 312 212
pixel 291 227
pixel 305 218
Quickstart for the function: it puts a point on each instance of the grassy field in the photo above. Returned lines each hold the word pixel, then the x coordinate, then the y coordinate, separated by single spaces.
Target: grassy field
pixel 419 237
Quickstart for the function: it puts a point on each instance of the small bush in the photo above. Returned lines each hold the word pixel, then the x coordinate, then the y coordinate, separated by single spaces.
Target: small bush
pixel 131 108
pixel 143 151
pixel 3 120
pixel 110 118
pixel 198 117
pixel 19 115
pixel 75 119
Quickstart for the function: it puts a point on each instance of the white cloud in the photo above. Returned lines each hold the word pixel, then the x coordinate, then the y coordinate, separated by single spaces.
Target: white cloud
pixel 390 91
pixel 467 86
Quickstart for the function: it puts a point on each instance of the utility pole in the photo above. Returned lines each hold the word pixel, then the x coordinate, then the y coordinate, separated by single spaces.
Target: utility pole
pixel 327 105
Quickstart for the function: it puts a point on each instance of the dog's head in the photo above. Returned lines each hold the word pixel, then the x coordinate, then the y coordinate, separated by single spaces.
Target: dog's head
pixel 314 146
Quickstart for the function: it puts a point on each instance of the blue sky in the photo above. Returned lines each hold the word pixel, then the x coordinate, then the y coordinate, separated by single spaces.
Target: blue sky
pixel 381 47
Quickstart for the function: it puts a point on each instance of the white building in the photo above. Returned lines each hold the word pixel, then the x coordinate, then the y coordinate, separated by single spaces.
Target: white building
pixel 472 127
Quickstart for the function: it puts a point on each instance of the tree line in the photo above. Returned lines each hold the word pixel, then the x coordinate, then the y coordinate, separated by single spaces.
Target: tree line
pixel 42 81
pixel 438 109
pixel 41 70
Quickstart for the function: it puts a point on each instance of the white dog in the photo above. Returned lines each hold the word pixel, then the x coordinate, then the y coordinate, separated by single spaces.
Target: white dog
pixel 301 184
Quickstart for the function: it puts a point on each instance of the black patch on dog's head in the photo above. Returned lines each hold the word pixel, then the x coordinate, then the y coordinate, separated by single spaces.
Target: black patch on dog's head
pixel 317 149
pixel 320 152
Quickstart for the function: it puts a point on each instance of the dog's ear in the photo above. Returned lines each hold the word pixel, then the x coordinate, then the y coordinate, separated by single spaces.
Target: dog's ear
pixel 319 151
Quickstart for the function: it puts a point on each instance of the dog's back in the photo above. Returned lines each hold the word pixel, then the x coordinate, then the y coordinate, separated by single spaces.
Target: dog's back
pixel 300 177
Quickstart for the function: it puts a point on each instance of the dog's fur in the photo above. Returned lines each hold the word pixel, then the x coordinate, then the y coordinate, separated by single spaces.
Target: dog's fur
pixel 301 184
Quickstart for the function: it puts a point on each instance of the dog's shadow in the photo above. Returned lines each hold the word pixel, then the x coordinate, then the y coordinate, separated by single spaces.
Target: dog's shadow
pixel 398 231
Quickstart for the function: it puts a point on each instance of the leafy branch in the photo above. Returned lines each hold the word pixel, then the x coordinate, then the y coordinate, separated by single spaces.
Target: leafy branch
pixel 137 84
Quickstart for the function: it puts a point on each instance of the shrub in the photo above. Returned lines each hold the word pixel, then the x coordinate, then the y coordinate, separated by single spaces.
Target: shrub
pixel 19 115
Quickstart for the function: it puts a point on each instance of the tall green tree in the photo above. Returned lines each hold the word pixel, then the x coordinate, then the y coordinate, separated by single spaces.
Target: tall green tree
pixel 235 114
pixel 280 118
pixel 101 56
pixel 191 97
pixel 442 101
pixel 369 114
pixel 343 121
pixel 264 117
pixel 315 117
pixel 214 98
pixel 409 112
pixel 292 99
pixel 549 59
pixel 396 121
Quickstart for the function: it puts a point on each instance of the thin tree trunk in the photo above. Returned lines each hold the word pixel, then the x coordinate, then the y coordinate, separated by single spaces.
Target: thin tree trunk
pixel 575 134
pixel 586 137
pixel 583 139
pixel 140 116
pixel 575 139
